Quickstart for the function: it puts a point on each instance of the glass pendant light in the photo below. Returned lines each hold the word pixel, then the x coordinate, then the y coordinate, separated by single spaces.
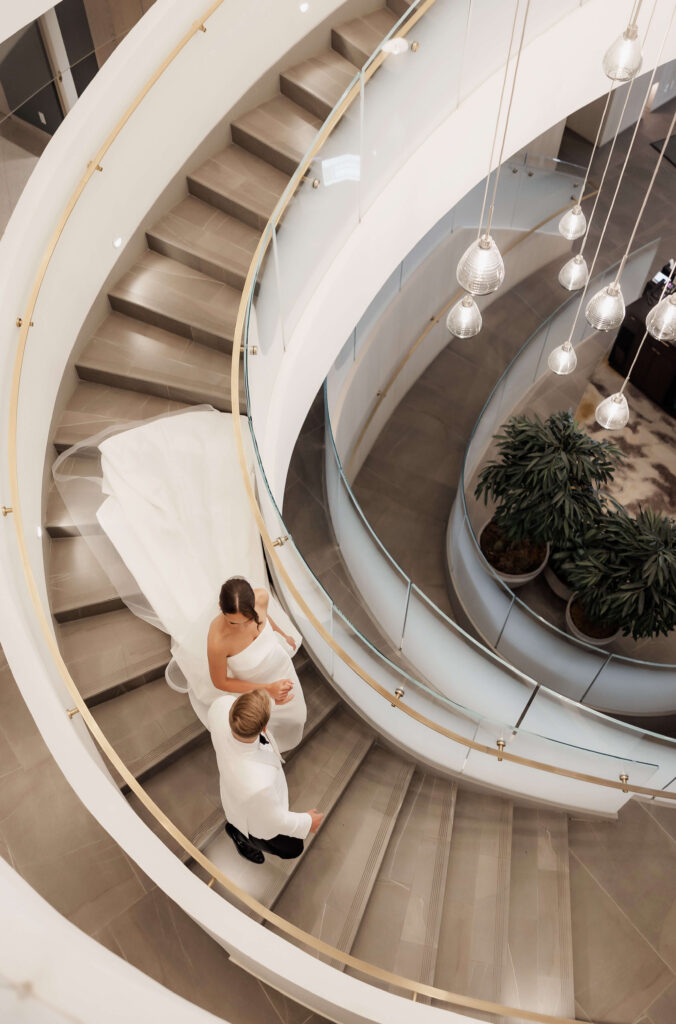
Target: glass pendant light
pixel 622 61
pixel 661 320
pixel 613 412
pixel 574 274
pixel 573 224
pixel 605 310
pixel 562 360
pixel 481 269
pixel 464 319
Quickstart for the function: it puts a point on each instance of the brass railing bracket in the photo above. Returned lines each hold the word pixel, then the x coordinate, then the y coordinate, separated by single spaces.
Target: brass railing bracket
pixel 315 182
pixel 203 28
pixel 624 779
pixel 6 509
pixel 279 541
pixel 97 168
pixel 72 712
pixel 19 322
pixel 210 883
pixel 501 744
pixel 399 694
pixel 415 46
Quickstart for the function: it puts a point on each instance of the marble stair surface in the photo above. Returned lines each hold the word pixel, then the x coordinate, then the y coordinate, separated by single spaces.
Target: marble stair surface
pixel 77 584
pixel 539 968
pixel 207 239
pixel 132 355
pixel 357 39
pixel 473 938
pixel 240 184
pixel 187 789
pixel 327 896
pixel 149 726
pixel 399 6
pixel 278 131
pixel 79 516
pixel 400 927
pixel 96 407
pixel 112 653
pixel 318 83
pixel 163 292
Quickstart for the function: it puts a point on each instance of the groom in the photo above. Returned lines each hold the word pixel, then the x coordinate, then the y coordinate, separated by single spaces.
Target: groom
pixel 253 787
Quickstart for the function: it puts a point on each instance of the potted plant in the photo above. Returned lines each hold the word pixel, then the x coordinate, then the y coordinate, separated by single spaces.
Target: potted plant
pixel 546 484
pixel 624 577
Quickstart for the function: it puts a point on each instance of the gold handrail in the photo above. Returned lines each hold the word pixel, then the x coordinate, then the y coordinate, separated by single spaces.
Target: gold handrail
pixel 317 945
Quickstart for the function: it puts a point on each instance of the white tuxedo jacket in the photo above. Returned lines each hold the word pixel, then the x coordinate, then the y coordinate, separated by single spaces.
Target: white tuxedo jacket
pixel 254 793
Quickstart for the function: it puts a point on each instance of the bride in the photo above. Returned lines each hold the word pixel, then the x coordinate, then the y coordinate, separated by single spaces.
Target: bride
pixel 175 523
pixel 245 654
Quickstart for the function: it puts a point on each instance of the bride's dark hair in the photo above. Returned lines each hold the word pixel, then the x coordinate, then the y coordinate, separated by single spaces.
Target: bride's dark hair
pixel 237 596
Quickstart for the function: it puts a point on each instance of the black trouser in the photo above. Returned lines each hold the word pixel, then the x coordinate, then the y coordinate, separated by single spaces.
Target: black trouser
pixel 286 847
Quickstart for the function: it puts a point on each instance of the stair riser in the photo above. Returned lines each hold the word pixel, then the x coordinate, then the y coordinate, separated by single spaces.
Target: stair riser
pixel 304 98
pixel 254 145
pixel 84 611
pixel 133 683
pixel 220 400
pixel 200 737
pixel 169 323
pixel 399 7
pixel 226 204
pixel 348 50
pixel 176 252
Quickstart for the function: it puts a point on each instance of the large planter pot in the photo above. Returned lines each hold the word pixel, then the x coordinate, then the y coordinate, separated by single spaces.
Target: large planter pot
pixel 556 584
pixel 514 580
pixel 575 631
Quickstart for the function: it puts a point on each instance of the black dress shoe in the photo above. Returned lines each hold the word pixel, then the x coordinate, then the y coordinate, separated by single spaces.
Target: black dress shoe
pixel 243 848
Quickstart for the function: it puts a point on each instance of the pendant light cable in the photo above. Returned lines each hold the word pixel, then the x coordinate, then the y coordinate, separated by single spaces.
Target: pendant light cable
pixel 509 110
pixel 619 181
pixel 497 120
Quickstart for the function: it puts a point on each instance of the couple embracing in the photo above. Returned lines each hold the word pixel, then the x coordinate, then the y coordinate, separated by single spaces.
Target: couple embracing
pixel 250 656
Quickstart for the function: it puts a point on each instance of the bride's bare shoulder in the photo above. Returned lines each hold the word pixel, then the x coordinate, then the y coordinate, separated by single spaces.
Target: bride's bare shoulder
pixel 215 635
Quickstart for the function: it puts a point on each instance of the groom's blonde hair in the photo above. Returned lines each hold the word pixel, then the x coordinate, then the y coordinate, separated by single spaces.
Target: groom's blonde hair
pixel 250 714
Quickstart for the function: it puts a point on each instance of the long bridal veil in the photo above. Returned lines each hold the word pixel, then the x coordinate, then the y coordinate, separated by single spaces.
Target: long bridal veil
pixel 163 509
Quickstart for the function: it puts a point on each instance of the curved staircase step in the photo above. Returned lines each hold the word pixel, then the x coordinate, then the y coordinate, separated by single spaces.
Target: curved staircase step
pixel 79 516
pixel 357 39
pixel 95 407
pixel 132 355
pixel 399 7
pixel 204 237
pixel 472 948
pixel 278 131
pixel 318 82
pixel 149 727
pixel 111 653
pixel 401 925
pixel 163 292
pixel 328 895
pixel 76 582
pixel 239 183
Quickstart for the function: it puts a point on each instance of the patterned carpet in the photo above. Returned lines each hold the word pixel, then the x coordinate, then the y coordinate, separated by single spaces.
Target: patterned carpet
pixel 648 476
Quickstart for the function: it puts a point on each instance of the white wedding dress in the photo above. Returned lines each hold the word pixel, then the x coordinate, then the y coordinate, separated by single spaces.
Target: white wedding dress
pixel 177 513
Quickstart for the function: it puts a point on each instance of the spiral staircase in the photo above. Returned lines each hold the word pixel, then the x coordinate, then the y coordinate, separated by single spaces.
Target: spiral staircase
pixel 438 882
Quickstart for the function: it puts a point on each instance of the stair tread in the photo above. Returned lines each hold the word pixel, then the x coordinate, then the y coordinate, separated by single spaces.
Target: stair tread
pixel 322 79
pixel 473 936
pixel 148 724
pixel 358 38
pixel 316 776
pixel 242 181
pixel 95 407
pixel 281 127
pixel 208 239
pixel 112 650
pixel 78 515
pixel 400 928
pixel 539 972
pixel 327 897
pixel 129 353
pixel 76 582
pixel 169 294
pixel 399 6
pixel 187 791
